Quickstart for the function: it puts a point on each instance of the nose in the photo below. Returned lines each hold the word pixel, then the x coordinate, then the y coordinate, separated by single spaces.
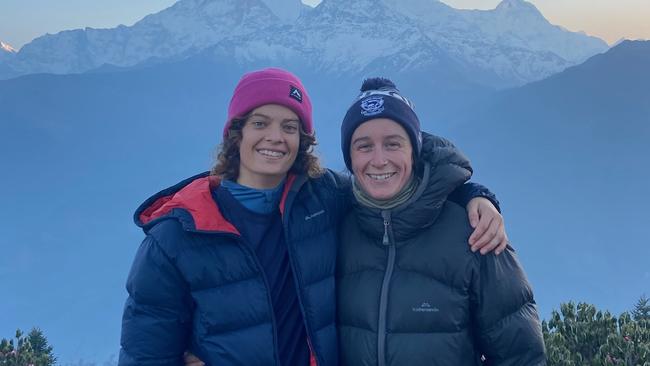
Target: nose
pixel 378 158
pixel 274 133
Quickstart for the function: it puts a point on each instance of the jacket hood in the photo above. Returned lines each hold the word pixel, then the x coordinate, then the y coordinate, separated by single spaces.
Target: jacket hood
pixel 441 168
pixel 190 202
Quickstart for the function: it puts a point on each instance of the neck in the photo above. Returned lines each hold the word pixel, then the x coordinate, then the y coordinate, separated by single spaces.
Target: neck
pixel 260 182
pixel 402 196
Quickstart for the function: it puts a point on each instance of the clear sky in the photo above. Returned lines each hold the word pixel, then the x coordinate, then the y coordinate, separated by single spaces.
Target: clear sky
pixel 23 20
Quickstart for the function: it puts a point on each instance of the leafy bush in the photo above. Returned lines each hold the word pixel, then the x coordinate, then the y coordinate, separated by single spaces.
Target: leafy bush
pixel 30 350
pixel 581 335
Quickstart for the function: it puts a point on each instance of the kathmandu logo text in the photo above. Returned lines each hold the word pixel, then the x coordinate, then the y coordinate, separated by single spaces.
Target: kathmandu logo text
pixel 425 308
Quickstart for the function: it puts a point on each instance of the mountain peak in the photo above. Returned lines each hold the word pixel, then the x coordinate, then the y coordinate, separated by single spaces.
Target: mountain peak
pixel 517 6
pixel 7 48
pixel 639 47
pixel 285 10
pixel 509 4
pixel 211 12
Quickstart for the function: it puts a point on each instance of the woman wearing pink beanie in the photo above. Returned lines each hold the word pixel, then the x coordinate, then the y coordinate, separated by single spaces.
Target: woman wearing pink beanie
pixel 238 264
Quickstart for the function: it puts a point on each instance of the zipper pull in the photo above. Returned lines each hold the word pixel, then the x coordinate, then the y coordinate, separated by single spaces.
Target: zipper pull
pixel 386 216
pixel 386 241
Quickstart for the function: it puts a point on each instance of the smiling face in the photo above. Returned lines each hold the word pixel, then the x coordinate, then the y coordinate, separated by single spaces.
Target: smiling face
pixel 268 147
pixel 382 157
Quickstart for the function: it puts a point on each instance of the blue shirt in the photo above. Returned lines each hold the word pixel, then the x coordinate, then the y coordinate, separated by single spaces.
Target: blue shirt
pixel 258 200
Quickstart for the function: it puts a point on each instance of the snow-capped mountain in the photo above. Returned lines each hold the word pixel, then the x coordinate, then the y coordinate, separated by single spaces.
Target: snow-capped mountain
pixel 7 55
pixel 6 48
pixel 184 28
pixel 514 40
pixel 510 45
pixel 6 52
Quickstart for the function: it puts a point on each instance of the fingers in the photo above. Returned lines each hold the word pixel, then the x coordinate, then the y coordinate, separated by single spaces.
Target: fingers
pixel 489 229
pixel 492 236
pixel 502 246
pixel 191 360
pixel 481 234
pixel 472 213
pixel 495 242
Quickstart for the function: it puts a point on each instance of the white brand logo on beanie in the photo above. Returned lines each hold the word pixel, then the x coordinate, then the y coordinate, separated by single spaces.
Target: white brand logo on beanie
pixel 295 94
pixel 372 106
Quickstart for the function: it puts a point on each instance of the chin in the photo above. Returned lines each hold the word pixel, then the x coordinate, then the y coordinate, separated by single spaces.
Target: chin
pixel 383 197
pixel 275 167
pixel 381 194
pixel 275 173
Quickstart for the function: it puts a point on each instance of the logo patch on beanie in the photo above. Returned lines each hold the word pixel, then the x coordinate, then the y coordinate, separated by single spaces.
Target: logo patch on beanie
pixel 372 106
pixel 295 93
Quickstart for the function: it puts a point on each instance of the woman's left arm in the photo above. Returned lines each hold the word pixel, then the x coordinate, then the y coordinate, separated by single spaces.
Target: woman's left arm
pixel 485 217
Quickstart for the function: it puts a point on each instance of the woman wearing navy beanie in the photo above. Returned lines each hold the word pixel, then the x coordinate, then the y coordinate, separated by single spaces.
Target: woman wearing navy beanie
pixel 408 291
pixel 238 264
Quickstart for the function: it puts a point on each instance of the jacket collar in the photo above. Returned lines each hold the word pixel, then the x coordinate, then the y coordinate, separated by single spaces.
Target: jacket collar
pixel 190 201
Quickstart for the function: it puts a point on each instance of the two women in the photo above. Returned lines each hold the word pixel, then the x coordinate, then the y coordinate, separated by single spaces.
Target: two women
pixel 409 292
pixel 238 264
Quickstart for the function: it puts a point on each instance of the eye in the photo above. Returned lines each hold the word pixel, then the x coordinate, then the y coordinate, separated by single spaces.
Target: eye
pixel 393 145
pixel 257 123
pixel 364 147
pixel 290 128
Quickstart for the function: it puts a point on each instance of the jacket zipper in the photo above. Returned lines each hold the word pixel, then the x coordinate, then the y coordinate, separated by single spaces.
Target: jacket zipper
pixel 268 297
pixel 292 263
pixel 383 299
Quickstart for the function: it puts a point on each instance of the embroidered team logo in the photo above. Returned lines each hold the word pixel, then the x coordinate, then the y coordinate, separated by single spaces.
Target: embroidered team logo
pixel 295 93
pixel 372 106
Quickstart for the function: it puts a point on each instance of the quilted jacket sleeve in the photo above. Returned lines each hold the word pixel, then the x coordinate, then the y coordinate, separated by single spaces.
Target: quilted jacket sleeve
pixel 508 329
pixel 431 146
pixel 341 192
pixel 156 323
pixel 464 193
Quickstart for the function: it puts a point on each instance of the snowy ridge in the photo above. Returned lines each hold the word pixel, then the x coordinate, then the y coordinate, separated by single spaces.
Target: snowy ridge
pixel 7 48
pixel 513 43
pixel 7 54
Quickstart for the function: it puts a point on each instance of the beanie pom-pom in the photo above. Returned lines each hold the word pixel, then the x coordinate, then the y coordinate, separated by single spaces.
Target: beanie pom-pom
pixel 376 84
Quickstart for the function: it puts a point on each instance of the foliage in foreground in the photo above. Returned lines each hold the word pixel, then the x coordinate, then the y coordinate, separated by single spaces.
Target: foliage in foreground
pixel 578 335
pixel 26 350
pixel 581 335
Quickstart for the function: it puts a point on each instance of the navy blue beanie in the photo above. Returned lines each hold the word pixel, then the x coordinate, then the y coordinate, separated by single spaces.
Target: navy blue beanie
pixel 380 98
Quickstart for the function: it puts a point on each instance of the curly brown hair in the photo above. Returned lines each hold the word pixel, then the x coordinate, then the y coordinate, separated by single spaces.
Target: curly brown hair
pixel 227 164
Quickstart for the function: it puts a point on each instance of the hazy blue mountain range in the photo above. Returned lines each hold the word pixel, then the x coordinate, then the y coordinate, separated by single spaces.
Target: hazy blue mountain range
pixel 570 158
pixel 510 45
pixel 567 155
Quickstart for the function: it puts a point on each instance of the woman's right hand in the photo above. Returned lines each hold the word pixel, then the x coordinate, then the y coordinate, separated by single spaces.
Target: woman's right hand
pixel 191 360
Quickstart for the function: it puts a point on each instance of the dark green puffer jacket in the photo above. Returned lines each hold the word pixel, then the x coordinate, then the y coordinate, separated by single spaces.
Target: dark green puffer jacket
pixel 410 292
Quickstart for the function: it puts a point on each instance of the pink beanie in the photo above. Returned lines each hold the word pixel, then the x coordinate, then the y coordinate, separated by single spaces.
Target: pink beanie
pixel 270 86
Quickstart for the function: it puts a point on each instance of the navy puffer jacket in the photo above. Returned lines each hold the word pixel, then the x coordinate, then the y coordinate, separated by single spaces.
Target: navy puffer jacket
pixel 410 291
pixel 195 286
